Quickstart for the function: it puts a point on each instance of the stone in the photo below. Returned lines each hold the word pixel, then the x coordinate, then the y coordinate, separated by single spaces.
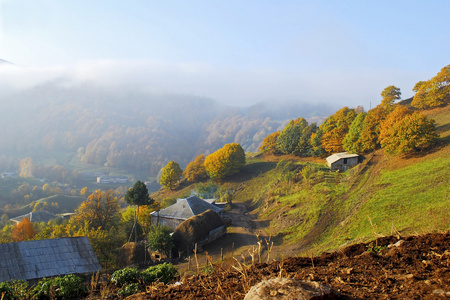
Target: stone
pixel 290 289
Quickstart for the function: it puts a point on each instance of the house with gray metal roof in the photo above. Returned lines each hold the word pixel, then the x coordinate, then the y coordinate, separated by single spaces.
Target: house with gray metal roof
pixel 342 161
pixel 184 209
pixel 36 217
pixel 45 258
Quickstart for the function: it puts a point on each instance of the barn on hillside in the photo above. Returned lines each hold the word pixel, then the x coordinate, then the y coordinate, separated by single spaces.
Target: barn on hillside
pixel 184 209
pixel 45 258
pixel 342 161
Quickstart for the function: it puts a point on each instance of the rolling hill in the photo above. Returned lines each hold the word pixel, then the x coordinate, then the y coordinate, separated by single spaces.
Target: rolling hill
pixel 313 210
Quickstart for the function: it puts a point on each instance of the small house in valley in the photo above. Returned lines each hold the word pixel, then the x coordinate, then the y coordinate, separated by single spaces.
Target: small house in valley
pixel 342 161
pixel 184 209
pixel 36 217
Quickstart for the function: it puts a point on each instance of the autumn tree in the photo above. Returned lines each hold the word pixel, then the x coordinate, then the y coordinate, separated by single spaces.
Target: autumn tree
pixel 100 210
pixel 369 138
pixel 23 231
pixel 390 94
pixel 352 142
pixel 195 170
pixel 371 129
pixel 335 128
pixel 433 92
pixel 26 167
pixel 225 162
pixel 170 175
pixel 403 132
pixel 85 191
pixel 269 143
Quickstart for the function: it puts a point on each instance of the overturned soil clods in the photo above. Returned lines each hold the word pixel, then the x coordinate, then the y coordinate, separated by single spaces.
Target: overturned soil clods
pixel 415 267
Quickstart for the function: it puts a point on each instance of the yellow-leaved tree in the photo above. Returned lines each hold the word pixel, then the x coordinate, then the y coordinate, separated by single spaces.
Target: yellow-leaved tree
pixel 433 92
pixel 170 175
pixel 195 170
pixel 225 162
pixel 100 210
pixel 269 143
pixel 404 132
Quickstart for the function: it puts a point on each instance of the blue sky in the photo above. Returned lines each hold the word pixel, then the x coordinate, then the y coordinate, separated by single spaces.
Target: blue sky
pixel 237 52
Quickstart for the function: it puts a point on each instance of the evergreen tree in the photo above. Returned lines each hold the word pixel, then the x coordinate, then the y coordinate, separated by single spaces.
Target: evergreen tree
pixel 138 195
pixel 352 142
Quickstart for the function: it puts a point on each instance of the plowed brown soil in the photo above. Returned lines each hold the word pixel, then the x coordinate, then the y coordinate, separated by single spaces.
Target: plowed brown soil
pixel 419 268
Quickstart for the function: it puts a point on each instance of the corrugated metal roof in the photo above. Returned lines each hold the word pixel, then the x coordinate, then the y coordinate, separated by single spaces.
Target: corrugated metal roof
pixel 187 208
pixel 45 258
pixel 37 216
pixel 337 156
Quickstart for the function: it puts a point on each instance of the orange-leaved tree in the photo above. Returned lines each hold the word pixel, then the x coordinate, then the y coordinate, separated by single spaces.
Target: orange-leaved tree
pixel 335 128
pixel 23 231
pixel 269 143
pixel 225 162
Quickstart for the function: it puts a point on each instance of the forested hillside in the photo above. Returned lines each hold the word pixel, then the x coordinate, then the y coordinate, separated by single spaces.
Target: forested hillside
pixel 134 130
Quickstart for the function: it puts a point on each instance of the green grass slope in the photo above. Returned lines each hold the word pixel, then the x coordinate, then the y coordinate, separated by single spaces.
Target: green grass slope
pixel 308 209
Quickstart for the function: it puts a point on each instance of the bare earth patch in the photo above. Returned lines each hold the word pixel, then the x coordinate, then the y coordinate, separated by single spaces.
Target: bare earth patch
pixel 417 267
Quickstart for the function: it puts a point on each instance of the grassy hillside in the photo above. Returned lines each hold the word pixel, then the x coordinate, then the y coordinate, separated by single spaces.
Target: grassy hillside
pixel 308 209
pixel 64 204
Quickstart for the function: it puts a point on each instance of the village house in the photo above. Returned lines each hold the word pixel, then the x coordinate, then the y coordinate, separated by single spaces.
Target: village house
pixel 36 217
pixel 32 260
pixel 342 161
pixel 184 209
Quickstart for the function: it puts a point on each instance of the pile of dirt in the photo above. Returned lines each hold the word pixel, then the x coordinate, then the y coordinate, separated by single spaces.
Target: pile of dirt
pixel 415 267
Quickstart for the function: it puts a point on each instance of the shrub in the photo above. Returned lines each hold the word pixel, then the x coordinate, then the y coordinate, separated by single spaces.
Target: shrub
pixel 125 276
pixel 163 272
pixel 19 288
pixel 6 291
pixel 128 289
pixel 67 287
pixel 70 287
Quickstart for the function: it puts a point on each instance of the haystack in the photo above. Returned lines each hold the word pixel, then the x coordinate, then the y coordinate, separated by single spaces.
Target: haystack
pixel 195 230
pixel 132 254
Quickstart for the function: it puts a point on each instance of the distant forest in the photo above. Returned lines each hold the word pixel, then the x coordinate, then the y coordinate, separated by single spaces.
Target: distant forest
pixel 135 131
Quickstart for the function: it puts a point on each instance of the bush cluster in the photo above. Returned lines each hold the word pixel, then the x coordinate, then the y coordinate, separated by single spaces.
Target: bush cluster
pixel 131 280
pixel 67 287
